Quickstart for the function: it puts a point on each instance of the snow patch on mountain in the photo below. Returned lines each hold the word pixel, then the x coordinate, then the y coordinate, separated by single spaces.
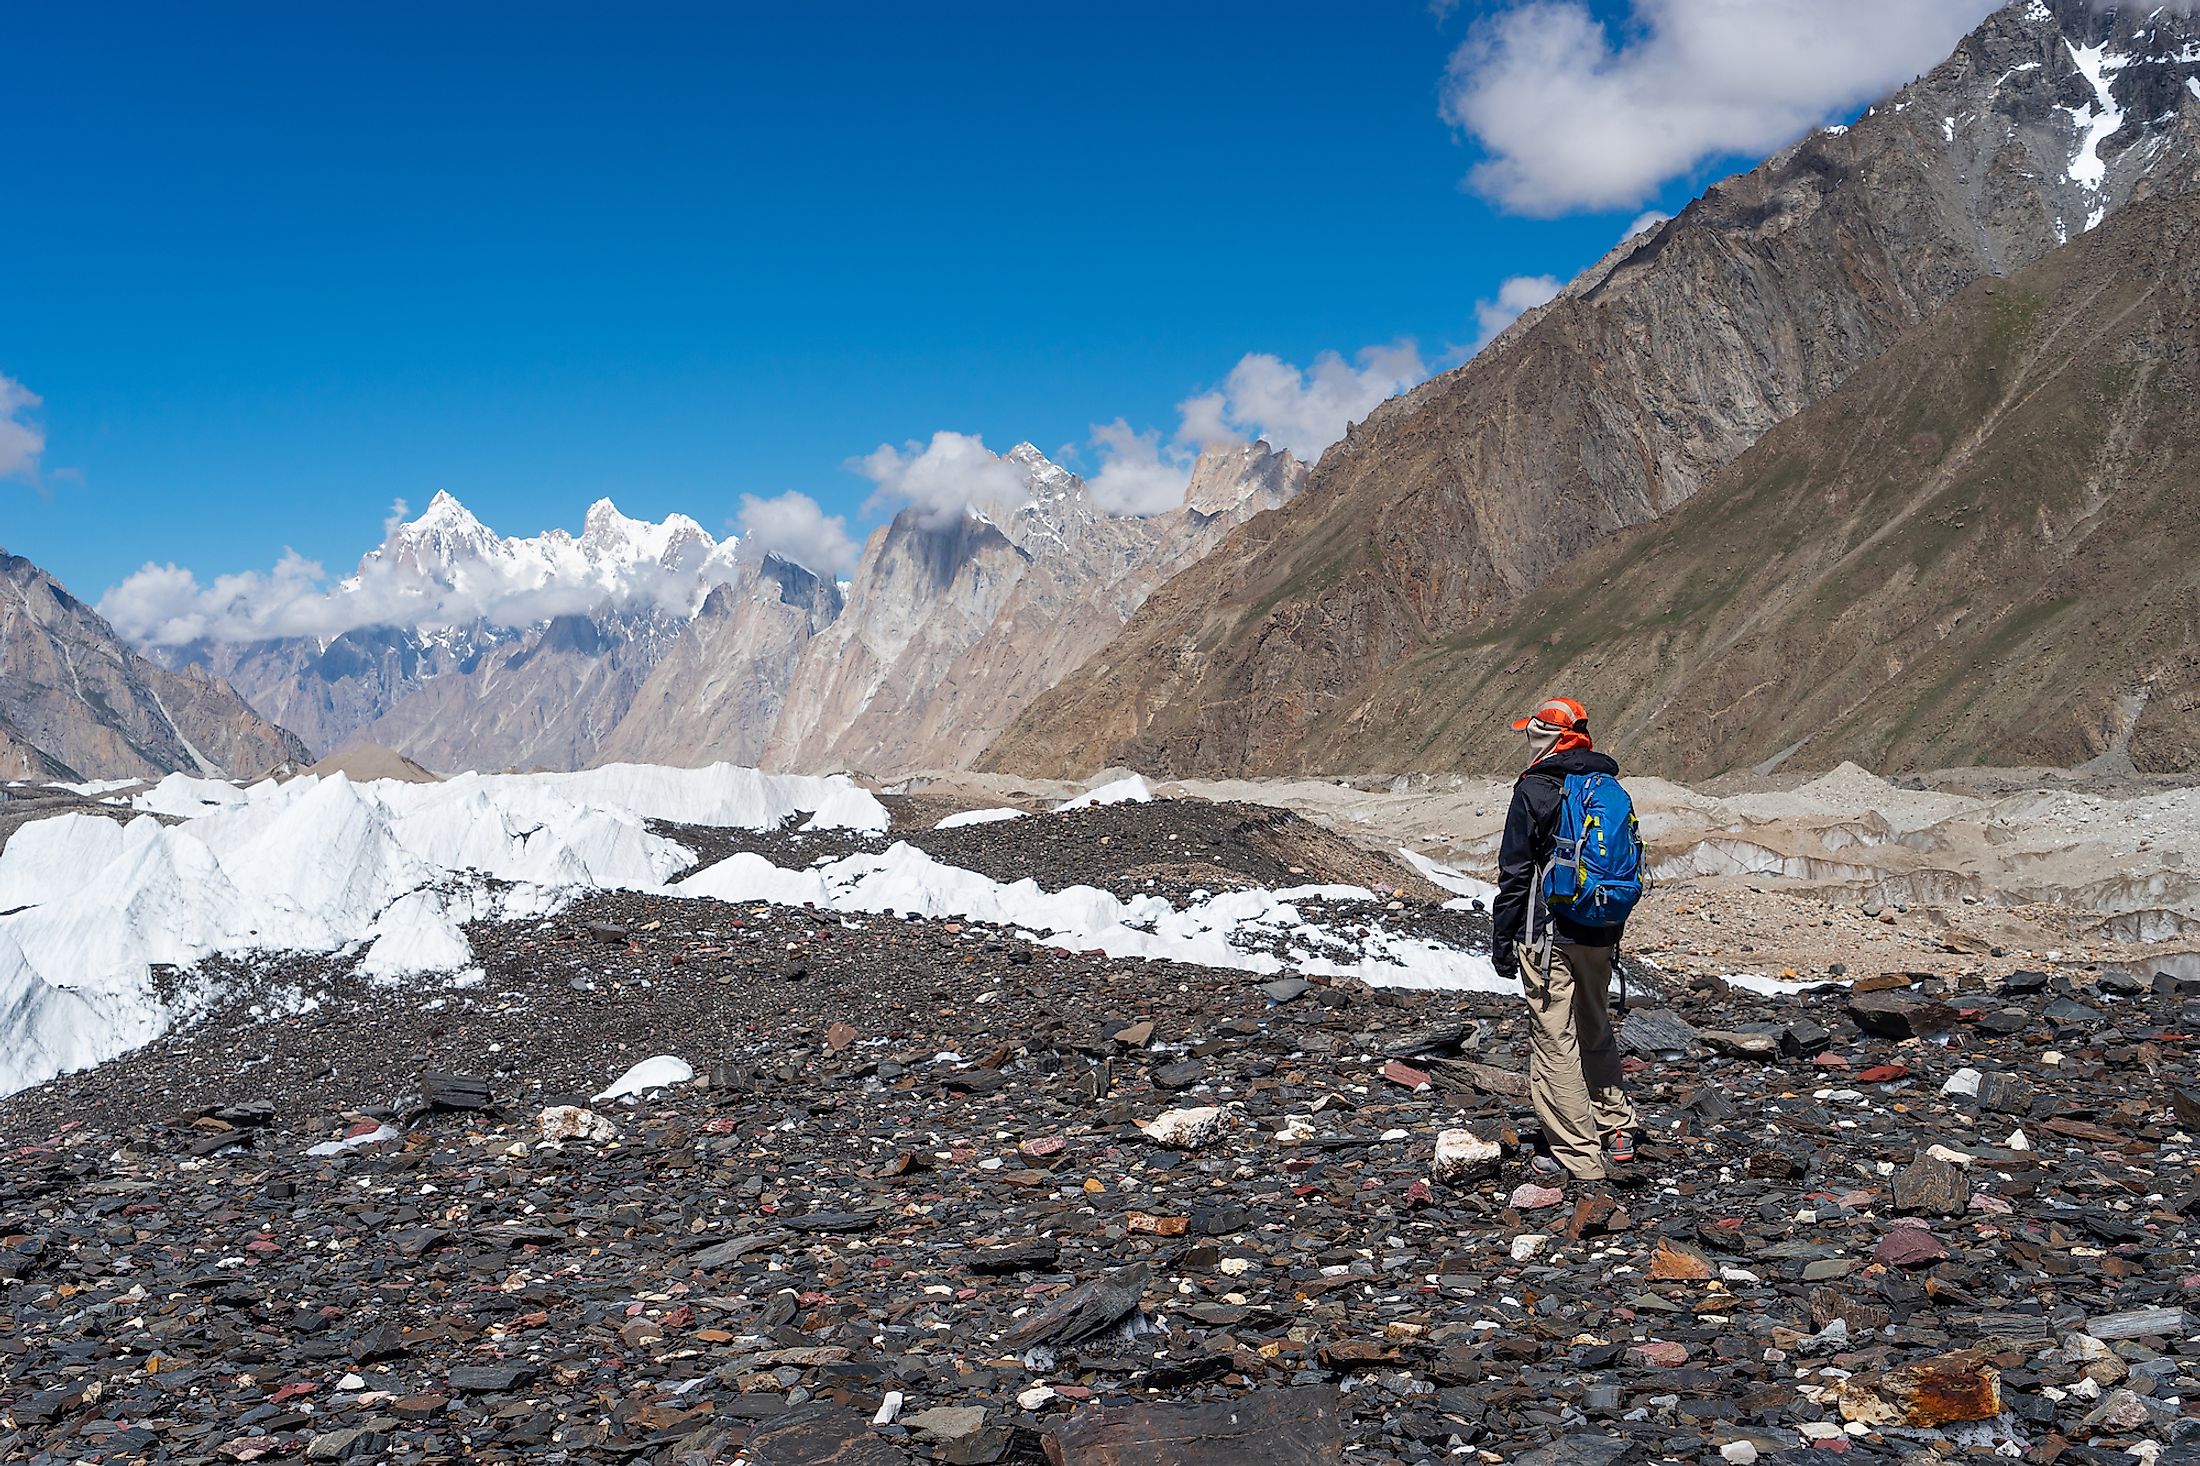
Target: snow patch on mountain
pixel 2096 122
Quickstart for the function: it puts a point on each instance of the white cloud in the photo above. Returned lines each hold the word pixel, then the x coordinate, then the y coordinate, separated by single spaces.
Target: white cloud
pixel 792 526
pixel 1515 298
pixel 942 479
pixel 1575 115
pixel 21 440
pixel 1302 410
pixel 164 605
pixel 1137 476
pixel 1645 221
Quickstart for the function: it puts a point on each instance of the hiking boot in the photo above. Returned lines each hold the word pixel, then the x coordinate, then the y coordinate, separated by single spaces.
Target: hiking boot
pixel 1545 1168
pixel 1619 1148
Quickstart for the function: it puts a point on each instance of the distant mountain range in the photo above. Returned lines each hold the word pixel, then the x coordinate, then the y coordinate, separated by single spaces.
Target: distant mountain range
pixel 1452 508
pixel 658 643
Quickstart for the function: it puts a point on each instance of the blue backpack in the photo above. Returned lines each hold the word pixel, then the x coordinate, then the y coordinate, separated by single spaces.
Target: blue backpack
pixel 1595 873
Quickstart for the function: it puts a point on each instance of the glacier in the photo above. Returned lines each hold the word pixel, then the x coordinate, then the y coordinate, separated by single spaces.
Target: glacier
pixel 386 870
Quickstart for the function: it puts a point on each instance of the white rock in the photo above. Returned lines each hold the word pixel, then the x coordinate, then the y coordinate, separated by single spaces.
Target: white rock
pixel 1947 1153
pixel 1187 1129
pixel 379 1135
pixel 2016 1141
pixel 1963 1081
pixel 2086 1349
pixel 1528 1244
pixel 1741 1453
pixel 1462 1156
pixel 661 1072
pixel 1036 1397
pixel 1237 1267
pixel 571 1122
pixel 888 1408
pixel 352 1382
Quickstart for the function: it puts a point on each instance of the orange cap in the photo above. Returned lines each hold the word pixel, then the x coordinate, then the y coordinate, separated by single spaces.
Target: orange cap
pixel 1559 712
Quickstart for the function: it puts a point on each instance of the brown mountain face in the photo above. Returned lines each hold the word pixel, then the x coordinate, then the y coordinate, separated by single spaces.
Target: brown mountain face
pixel 717 693
pixel 1980 550
pixel 950 630
pixel 75 702
pixel 327 692
pixel 1617 402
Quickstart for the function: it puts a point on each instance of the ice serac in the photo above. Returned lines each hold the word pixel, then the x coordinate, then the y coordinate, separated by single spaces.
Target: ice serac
pixel 717 693
pixel 77 702
pixel 1618 401
pixel 384 873
pixel 951 630
pixel 1981 546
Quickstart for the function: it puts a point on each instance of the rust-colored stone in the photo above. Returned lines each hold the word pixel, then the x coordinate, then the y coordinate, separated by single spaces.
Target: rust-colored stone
pixel 1676 1262
pixel 1946 1390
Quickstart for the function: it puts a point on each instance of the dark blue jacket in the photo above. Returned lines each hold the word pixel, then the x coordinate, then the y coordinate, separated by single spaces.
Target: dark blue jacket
pixel 1531 826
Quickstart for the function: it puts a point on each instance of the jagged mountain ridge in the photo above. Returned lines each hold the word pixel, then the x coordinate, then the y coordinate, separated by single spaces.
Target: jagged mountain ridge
pixel 1619 400
pixel 76 702
pixel 951 631
pixel 447 607
pixel 660 644
pixel 1980 548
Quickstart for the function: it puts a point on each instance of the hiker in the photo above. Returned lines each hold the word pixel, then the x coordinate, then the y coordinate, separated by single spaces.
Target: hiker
pixel 1568 873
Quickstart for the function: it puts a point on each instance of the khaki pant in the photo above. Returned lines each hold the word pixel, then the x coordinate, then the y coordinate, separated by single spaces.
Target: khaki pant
pixel 1573 1063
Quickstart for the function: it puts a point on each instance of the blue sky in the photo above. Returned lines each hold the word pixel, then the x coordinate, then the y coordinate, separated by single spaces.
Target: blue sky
pixel 270 268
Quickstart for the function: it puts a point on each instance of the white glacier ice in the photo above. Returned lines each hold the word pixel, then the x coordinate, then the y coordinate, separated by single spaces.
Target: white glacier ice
pixel 89 906
pixel 1236 929
pixel 968 817
pixel 389 873
pixel 661 1072
pixel 1123 791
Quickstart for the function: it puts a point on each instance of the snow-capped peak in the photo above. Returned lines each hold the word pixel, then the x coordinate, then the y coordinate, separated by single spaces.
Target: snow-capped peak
pixel 446 568
pixel 443 509
pixel 1047 480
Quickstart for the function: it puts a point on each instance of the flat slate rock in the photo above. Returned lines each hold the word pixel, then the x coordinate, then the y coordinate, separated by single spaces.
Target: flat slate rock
pixel 1284 1427
pixel 1658 1031
pixel 477 1379
pixel 1589 1448
pixel 1087 1309
pixel 820 1434
pixel 1900 1013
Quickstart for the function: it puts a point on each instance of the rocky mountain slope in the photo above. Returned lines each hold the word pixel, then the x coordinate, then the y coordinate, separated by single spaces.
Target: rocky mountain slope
pixel 950 631
pixel 718 691
pixel 76 702
pixel 1618 401
pixel 1980 548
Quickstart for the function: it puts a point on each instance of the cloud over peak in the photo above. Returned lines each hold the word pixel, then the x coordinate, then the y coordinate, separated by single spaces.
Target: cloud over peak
pixel 1301 409
pixel 1573 114
pixel 941 480
pixel 793 527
